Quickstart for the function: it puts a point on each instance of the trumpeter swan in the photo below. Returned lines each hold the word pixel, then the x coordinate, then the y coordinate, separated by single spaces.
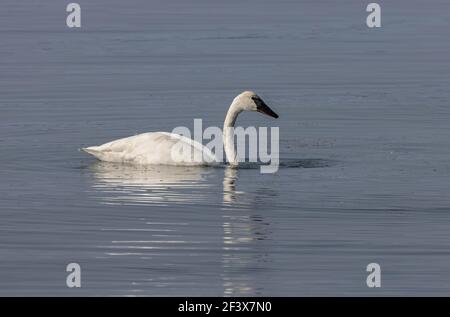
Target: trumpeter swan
pixel 161 147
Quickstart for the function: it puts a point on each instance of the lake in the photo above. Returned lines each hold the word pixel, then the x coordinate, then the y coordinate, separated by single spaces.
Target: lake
pixel 364 148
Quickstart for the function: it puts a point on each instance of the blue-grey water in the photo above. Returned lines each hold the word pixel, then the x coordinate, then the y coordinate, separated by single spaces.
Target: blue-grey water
pixel 364 143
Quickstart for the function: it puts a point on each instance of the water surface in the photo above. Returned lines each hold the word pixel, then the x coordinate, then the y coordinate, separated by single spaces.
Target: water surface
pixel 364 143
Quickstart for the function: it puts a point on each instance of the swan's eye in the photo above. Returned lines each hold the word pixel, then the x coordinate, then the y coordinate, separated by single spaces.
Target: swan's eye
pixel 256 99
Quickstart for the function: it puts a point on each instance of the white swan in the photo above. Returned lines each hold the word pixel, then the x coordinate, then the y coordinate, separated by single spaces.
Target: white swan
pixel 161 147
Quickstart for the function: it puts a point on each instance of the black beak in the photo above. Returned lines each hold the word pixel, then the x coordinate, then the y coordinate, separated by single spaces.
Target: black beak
pixel 263 108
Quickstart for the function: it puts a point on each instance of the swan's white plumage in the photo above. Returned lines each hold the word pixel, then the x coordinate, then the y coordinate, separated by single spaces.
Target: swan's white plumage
pixel 154 148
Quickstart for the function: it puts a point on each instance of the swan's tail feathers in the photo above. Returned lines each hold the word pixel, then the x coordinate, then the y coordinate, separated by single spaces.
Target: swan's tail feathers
pixel 93 150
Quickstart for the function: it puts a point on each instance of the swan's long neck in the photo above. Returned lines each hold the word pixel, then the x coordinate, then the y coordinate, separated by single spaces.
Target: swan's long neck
pixel 228 133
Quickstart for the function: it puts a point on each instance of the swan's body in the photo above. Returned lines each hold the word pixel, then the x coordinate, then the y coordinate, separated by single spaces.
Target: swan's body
pixel 173 149
pixel 153 148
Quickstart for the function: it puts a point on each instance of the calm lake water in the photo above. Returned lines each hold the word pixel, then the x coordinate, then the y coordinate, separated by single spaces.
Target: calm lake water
pixel 364 143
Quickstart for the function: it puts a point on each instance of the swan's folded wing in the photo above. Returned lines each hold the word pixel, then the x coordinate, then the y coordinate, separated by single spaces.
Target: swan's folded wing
pixel 154 148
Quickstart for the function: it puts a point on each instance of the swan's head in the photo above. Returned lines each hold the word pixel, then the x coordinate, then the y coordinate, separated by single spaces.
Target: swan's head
pixel 249 101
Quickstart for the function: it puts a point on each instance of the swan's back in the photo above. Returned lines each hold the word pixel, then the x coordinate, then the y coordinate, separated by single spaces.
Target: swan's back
pixel 154 148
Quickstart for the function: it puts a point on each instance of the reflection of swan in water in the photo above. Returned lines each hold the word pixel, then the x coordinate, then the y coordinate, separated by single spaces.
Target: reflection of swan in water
pixel 244 233
pixel 150 185
pixel 229 185
pixel 245 237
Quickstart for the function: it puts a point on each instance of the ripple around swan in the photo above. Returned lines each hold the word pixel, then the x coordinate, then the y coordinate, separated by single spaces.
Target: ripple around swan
pixel 294 163
pixel 307 163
